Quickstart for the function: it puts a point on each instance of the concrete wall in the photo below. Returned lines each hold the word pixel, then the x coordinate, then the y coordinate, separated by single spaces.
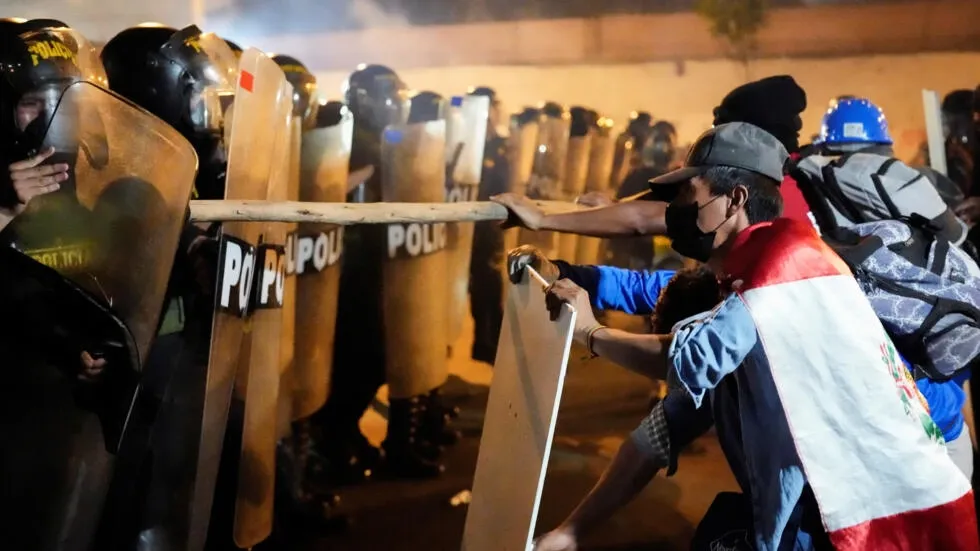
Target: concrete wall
pixel 686 92
pixel 827 30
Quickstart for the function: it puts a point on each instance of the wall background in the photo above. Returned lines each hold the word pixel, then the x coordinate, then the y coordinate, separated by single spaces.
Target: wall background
pixel 687 99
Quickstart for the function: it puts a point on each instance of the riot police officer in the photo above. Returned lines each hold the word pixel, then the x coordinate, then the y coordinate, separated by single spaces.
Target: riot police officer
pixel 92 232
pixel 378 98
pixel 170 74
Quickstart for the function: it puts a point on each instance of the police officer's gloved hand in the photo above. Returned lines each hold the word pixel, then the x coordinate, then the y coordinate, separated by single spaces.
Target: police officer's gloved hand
pixel 526 255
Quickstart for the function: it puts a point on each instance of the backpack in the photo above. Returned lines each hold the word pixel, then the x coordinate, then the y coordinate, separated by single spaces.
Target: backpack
pixel 866 187
pixel 924 289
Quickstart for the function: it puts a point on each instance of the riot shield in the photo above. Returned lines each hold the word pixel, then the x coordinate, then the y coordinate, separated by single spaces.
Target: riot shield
pixel 415 275
pixel 287 348
pixel 325 161
pixel 251 143
pixel 622 160
pixel 521 146
pixel 576 173
pixel 601 154
pixel 548 174
pixel 260 370
pixel 96 259
pixel 464 169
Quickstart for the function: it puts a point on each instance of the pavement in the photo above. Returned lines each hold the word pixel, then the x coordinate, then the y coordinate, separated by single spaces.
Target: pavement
pixel 601 404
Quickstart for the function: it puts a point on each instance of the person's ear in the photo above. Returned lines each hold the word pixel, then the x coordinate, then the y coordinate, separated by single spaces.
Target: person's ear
pixel 739 197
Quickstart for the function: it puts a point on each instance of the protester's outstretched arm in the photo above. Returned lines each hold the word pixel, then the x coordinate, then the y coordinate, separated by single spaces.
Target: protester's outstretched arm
pixel 672 425
pixel 627 475
pixel 623 219
pixel 644 354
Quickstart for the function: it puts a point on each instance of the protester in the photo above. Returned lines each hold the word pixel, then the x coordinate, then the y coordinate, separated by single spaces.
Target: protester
pixel 793 439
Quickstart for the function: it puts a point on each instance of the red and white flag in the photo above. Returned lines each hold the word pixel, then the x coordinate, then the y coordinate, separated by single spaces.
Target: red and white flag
pixel 872 455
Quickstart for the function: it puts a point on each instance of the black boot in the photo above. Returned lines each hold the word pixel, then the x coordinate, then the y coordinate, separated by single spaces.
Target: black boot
pixel 344 460
pixel 407 455
pixel 435 421
pixel 307 505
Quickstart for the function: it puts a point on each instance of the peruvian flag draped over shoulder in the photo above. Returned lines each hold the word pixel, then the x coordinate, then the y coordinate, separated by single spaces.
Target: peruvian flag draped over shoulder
pixel 871 453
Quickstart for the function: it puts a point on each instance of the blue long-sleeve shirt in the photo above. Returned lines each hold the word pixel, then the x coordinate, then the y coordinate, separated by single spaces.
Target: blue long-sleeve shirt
pixel 636 292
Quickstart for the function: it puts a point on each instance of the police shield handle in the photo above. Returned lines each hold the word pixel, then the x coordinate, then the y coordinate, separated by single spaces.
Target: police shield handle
pixel 325 155
pixel 934 131
pixel 347 214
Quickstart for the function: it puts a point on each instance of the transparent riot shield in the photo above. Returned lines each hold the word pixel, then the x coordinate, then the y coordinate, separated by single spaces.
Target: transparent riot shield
pixel 251 141
pixel 576 174
pixel 464 168
pixel 548 174
pixel 601 154
pixel 288 184
pixel 90 275
pixel 415 275
pixel 521 146
pixel 325 164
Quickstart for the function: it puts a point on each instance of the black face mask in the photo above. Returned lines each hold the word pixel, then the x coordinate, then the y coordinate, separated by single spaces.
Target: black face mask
pixel 685 236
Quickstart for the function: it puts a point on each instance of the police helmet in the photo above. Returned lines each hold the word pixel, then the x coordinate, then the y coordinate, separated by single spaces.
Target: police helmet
pixel 184 77
pixel 305 102
pixel 483 91
pixel 331 113
pixel 181 76
pixel 234 47
pixel 426 106
pixel 854 121
pixel 37 64
pixel 376 96
pixel 583 120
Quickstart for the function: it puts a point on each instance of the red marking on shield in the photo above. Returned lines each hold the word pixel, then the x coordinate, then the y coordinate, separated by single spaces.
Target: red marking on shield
pixel 246 80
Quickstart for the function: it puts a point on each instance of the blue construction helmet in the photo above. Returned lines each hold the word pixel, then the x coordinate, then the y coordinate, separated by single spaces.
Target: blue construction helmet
pixel 851 120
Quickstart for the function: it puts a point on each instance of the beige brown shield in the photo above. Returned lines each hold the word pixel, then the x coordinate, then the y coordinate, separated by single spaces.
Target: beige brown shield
pixel 287 348
pixel 415 264
pixel 465 167
pixel 576 174
pixel 548 174
pixel 260 370
pixel 601 154
pixel 325 157
pixel 521 146
pixel 250 158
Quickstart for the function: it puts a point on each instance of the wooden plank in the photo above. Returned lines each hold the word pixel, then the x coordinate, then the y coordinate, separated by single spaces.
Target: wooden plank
pixel 360 213
pixel 522 411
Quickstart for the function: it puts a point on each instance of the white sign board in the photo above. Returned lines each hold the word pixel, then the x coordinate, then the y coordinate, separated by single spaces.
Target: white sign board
pixel 934 131
pixel 522 410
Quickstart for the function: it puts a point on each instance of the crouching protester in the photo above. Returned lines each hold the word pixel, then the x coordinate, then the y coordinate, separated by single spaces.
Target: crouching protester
pixel 818 417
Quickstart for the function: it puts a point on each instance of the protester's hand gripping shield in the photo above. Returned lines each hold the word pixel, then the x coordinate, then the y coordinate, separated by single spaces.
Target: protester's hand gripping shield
pixel 464 168
pixel 415 275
